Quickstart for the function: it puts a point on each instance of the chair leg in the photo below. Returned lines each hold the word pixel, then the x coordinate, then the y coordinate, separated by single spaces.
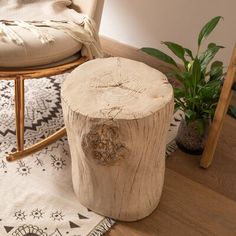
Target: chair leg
pixel 25 73
pixel 20 127
pixel 19 112
pixel 37 146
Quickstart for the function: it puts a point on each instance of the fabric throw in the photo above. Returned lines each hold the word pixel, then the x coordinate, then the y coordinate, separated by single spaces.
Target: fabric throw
pixel 37 196
pixel 37 16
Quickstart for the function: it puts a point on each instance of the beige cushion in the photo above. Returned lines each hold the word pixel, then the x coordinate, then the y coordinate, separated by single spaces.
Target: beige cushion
pixel 34 53
pixel 85 6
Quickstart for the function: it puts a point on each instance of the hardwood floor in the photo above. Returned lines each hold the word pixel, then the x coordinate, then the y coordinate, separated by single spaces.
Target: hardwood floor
pixel 186 208
pixel 221 176
pixel 195 201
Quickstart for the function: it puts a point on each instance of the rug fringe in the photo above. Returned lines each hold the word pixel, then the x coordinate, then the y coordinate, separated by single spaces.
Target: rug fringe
pixel 170 148
pixel 103 227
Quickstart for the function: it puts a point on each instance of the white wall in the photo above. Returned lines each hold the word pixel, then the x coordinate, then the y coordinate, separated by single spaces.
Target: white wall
pixel 148 22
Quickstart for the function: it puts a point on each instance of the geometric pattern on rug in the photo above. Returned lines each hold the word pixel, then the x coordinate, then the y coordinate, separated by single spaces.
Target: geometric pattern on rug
pixel 37 196
pixel 43 112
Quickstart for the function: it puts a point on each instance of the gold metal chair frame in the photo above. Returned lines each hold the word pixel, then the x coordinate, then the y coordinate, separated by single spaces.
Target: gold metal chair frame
pixel 19 76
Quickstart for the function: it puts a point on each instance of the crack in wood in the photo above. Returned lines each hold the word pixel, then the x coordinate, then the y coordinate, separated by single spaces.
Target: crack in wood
pixel 119 85
pixel 103 144
pixel 108 111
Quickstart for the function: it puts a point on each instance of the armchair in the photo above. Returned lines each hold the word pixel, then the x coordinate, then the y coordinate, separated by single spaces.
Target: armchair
pixel 37 59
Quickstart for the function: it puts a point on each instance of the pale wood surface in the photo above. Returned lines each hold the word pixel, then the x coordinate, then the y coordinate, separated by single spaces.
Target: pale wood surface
pixel 221 110
pixel 119 88
pixel 220 177
pixel 117 114
pixel 186 208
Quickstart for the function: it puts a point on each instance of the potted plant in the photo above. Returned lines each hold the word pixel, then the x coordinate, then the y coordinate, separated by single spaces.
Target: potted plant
pixel 199 84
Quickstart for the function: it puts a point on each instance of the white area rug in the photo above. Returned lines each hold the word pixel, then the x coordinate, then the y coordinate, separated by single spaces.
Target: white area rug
pixel 36 194
pixel 37 197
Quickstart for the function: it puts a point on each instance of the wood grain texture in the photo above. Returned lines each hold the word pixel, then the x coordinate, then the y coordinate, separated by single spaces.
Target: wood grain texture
pixel 221 176
pixel 221 110
pixel 117 122
pixel 186 208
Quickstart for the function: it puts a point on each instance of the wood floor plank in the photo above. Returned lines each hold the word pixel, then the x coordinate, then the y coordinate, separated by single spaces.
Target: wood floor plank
pixel 221 176
pixel 186 208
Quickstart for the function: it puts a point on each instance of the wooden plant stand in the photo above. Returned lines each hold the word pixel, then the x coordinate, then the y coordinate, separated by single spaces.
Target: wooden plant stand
pixel 19 76
pixel 117 113
pixel 221 110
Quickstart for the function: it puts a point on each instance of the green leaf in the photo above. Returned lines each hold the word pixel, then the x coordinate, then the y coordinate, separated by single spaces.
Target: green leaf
pixel 210 91
pixel 183 77
pixel 208 55
pixel 179 93
pixel 196 73
pixel 177 49
pixel 190 64
pixel 216 64
pixel 190 115
pixel 216 70
pixel 179 75
pixel 208 28
pixel 200 126
pixel 189 53
pixel 211 45
pixel 160 55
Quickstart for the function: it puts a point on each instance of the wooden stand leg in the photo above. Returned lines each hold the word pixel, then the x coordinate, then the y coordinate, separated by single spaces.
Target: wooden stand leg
pixel 221 110
pixel 19 112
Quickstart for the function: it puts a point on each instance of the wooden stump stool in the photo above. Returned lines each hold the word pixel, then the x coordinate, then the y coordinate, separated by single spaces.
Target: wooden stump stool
pixel 117 113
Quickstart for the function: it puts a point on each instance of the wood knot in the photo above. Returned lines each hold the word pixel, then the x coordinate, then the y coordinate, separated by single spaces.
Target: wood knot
pixel 103 144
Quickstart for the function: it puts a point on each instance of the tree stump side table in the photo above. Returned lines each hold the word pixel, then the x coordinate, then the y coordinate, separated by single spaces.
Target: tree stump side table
pixel 117 113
